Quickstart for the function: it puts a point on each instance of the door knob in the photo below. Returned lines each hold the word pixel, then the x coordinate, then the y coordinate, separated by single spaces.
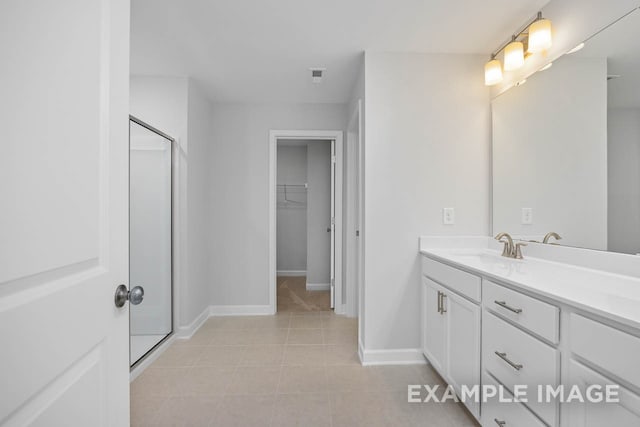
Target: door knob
pixel 134 296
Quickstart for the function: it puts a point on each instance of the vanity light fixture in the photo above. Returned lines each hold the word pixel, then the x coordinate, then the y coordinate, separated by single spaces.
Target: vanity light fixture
pixel 539 35
pixel 536 36
pixel 513 55
pixel 492 72
pixel 575 49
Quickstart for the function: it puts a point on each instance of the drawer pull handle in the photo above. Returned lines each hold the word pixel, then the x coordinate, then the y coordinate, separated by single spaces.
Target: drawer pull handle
pixel 444 310
pixel 439 302
pixel 504 357
pixel 504 304
pixel 500 423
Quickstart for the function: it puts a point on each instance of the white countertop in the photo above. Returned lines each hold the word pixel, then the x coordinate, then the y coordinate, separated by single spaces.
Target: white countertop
pixel 613 296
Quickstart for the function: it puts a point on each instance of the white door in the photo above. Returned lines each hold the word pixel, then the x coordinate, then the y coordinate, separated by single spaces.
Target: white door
pixel 434 325
pixel 63 222
pixel 463 344
pixel 333 224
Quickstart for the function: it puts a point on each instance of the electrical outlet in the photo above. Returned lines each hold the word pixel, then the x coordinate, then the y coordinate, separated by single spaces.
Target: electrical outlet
pixel 527 216
pixel 448 216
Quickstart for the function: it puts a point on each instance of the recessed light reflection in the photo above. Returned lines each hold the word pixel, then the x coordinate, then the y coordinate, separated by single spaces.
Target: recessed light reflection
pixel 575 49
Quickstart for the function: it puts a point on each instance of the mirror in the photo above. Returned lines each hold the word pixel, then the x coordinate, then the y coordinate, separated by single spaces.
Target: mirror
pixel 566 146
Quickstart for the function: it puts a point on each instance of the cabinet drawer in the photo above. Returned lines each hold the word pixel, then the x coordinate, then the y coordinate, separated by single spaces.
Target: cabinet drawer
pixel 460 281
pixel 513 414
pixel 532 314
pixel 606 347
pixel 514 357
pixel 625 412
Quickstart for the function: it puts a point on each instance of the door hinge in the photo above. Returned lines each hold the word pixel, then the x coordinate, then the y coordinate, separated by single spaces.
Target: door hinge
pixel 333 220
pixel 357 233
pixel 333 159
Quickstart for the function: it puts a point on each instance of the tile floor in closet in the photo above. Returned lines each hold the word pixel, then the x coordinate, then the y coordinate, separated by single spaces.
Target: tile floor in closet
pixel 290 369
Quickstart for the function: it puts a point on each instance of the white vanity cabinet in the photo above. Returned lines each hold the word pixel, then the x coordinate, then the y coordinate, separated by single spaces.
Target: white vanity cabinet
pixel 451 328
pixel 615 354
pixel 512 354
pixel 477 330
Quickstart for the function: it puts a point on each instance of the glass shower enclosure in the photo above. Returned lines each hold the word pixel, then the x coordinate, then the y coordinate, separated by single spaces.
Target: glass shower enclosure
pixel 150 237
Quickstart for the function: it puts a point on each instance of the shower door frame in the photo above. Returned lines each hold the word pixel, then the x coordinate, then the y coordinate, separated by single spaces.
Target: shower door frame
pixel 172 200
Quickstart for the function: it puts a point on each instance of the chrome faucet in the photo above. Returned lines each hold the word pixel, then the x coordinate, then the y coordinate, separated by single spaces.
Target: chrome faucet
pixel 550 235
pixel 508 244
pixel 510 250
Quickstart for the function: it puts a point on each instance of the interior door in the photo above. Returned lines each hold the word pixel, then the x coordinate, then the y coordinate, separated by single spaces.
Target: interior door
pixel 63 222
pixel 333 224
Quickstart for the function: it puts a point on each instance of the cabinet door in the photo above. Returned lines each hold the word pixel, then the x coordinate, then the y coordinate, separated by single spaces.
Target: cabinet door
pixel 433 326
pixel 463 344
pixel 626 412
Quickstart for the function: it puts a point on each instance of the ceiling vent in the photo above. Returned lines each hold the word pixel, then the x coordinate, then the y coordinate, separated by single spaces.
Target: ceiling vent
pixel 316 74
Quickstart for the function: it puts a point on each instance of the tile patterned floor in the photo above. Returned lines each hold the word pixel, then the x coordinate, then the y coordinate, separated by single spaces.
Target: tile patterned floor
pixel 294 297
pixel 291 369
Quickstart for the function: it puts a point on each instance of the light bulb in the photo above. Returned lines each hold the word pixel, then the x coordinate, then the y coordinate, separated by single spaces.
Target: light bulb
pixel 513 56
pixel 492 72
pixel 539 36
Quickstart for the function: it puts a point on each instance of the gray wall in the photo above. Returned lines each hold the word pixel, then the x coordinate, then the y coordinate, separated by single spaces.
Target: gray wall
pixel 427 147
pixel 292 218
pixel 319 212
pixel 624 180
pixel 239 192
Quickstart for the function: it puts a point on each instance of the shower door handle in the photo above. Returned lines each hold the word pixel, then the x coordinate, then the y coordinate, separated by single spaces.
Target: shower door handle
pixel 134 296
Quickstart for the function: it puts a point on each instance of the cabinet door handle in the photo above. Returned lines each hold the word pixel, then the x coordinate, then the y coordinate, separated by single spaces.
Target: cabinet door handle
pixel 504 357
pixel 443 310
pixel 504 304
pixel 439 302
pixel 500 423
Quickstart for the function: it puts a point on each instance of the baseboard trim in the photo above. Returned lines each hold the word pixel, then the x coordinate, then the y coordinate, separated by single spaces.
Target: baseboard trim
pixel 295 273
pixel 318 286
pixel 186 332
pixel 401 356
pixel 240 310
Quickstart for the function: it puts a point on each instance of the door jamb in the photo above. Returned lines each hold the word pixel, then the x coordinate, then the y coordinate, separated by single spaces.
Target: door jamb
pixel 274 136
pixel 353 244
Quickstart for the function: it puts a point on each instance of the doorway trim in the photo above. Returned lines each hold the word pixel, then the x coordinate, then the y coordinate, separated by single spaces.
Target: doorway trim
pixel 354 218
pixel 319 135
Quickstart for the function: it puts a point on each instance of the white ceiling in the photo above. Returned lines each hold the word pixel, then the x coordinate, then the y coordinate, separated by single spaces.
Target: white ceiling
pixel 261 50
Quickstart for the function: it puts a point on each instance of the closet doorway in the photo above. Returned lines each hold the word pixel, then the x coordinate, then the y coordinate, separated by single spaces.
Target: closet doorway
pixel 150 238
pixel 306 216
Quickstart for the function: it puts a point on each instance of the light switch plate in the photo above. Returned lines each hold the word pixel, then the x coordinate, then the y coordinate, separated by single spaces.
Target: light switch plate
pixel 527 216
pixel 448 216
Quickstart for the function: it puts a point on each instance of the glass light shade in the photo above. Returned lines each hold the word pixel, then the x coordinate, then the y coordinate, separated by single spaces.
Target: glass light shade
pixel 513 56
pixel 492 72
pixel 539 36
